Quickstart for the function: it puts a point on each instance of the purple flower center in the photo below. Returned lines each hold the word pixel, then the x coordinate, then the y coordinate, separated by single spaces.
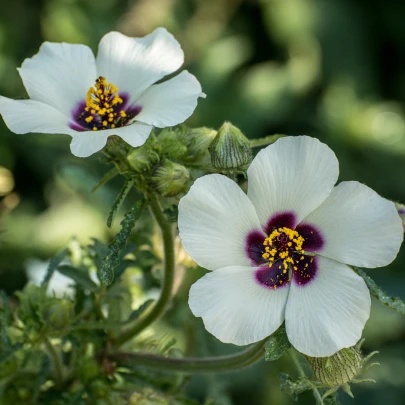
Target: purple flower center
pixel 286 253
pixel 103 108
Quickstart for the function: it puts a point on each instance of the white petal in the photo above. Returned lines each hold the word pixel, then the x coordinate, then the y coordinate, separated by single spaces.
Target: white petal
pixel 170 103
pixel 24 116
pixel 133 64
pixel 86 143
pixel 215 218
pixel 59 75
pixel 295 174
pixel 359 227
pixel 235 308
pixel 329 312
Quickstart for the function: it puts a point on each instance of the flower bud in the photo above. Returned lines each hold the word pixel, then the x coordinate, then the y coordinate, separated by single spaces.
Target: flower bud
pixel 338 369
pixel 197 141
pixel 230 149
pixel 170 178
pixel 401 211
pixel 59 314
pixel 143 158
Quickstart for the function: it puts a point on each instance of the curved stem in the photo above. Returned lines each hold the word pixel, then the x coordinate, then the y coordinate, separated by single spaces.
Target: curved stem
pixel 301 372
pixel 193 365
pixel 160 306
pixel 56 361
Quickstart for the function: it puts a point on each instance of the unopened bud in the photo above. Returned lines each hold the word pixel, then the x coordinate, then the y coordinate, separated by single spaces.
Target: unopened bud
pixel 143 158
pixel 230 149
pixel 170 178
pixel 337 369
pixel 197 141
pixel 401 211
pixel 59 314
pixel 344 367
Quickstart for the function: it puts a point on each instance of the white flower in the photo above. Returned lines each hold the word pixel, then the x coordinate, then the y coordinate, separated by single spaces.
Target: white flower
pixel 279 252
pixel 89 98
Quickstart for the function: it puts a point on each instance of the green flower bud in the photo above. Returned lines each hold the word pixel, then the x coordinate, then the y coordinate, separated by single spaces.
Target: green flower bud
pixel 338 369
pixel 58 314
pixel 143 158
pixel 197 141
pixel 401 212
pixel 230 149
pixel 171 144
pixel 170 178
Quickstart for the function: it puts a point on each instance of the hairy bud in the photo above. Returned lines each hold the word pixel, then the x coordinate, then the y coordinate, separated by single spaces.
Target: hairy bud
pixel 59 314
pixel 170 178
pixel 230 149
pixel 143 158
pixel 197 141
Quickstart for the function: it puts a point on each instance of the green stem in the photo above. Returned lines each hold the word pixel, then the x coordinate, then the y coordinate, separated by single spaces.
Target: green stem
pixel 56 361
pixel 301 372
pixel 268 140
pixel 169 266
pixel 192 365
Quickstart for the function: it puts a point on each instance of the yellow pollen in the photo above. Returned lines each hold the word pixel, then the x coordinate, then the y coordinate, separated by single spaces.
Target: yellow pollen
pixel 281 244
pixel 101 100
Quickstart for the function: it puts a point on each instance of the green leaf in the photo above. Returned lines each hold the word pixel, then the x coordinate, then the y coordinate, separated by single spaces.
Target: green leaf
pixel 277 344
pixel 79 276
pixel 391 302
pixel 112 260
pixel 331 400
pixel 53 264
pixel 41 378
pixel 118 201
pixel 106 178
pixel 291 387
pixel 138 312
pixel 7 354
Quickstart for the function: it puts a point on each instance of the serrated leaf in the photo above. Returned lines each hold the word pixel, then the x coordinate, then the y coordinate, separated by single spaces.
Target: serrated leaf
pixel 118 201
pixel 112 260
pixel 394 303
pixel 80 277
pixel 277 344
pixel 291 387
pixel 138 312
pixel 53 264
pixel 106 178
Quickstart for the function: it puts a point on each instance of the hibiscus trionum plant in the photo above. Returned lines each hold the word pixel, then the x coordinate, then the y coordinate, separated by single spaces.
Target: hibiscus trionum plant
pixel 282 244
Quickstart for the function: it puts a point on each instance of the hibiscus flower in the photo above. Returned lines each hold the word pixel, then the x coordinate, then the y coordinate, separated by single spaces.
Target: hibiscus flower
pixel 72 92
pixel 281 252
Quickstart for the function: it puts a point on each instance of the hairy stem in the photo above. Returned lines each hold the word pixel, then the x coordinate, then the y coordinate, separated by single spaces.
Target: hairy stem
pixel 56 361
pixel 301 372
pixel 192 365
pixel 161 304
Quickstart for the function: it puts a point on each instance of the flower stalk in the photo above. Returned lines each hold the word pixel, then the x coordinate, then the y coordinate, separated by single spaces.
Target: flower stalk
pixel 193 365
pixel 169 266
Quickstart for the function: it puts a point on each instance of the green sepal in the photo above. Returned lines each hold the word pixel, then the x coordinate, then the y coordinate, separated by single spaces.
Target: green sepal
pixel 293 388
pixel 277 344
pixel 106 178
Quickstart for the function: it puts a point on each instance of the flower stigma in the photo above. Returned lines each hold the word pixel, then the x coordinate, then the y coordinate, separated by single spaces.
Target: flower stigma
pixel 281 244
pixel 104 107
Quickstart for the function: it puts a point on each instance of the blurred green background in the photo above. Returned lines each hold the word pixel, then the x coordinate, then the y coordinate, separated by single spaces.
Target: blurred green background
pixel 333 69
